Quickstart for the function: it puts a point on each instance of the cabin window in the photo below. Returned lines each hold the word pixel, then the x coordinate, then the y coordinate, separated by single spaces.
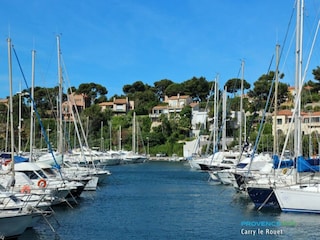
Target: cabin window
pixel 31 174
pixel 49 172
pixel 41 174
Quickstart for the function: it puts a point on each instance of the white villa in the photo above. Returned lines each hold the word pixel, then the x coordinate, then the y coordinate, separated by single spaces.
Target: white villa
pixel 310 122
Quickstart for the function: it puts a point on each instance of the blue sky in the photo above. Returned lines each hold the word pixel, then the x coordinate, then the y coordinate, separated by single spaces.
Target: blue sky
pixel 118 42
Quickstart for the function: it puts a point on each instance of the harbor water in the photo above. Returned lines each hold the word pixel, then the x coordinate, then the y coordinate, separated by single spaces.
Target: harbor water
pixel 168 200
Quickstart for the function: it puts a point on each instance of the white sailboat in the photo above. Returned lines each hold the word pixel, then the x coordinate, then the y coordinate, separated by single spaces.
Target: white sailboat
pixel 133 156
pixel 13 222
pixel 299 197
pixel 91 175
pixel 230 158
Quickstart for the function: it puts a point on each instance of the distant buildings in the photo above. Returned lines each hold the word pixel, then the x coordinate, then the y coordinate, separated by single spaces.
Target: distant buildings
pixel 4 101
pixel 174 105
pixel 74 101
pixel 118 106
pixel 310 122
pixel 171 105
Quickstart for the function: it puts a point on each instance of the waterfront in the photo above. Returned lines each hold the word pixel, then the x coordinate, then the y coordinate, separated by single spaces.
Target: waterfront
pixel 168 200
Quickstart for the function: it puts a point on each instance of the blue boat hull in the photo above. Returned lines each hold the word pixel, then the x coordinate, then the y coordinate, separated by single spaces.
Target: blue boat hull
pixel 263 197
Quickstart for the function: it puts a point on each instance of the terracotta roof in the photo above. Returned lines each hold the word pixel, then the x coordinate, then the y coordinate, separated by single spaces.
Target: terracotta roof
pixel 106 104
pixel 120 101
pixel 313 114
pixel 160 107
pixel 178 97
pixel 285 112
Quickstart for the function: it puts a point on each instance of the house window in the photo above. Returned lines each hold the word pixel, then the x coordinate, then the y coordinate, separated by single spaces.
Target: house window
pixel 288 120
pixel 279 121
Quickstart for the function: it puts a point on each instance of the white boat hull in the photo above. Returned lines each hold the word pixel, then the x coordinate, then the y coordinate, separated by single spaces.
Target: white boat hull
pixel 225 177
pixel 92 184
pixel 14 224
pixel 299 199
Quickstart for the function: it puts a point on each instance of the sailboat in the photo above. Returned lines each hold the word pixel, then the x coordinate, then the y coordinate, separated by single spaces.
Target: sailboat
pixel 71 169
pixel 13 222
pixel 222 171
pixel 301 196
pixel 260 189
pixel 133 156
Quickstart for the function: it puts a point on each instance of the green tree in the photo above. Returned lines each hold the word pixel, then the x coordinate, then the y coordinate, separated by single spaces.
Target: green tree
pixel 316 76
pixel 234 85
pixel 144 101
pixel 71 90
pixel 165 125
pixel 92 92
pixel 96 116
pixel 234 104
pixel 161 86
pixel 137 86
pixel 262 87
pixel 45 100
pixel 197 88
pixel 174 89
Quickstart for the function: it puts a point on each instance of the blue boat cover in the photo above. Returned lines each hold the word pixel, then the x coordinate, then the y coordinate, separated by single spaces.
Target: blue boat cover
pixel 287 163
pixel 307 165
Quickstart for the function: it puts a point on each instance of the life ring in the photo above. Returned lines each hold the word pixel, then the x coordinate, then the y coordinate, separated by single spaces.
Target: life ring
pixel 284 171
pixel 42 183
pixel 6 162
pixel 25 189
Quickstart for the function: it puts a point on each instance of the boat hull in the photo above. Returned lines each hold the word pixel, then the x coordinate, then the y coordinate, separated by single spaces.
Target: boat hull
pixel 13 225
pixel 263 197
pixel 303 199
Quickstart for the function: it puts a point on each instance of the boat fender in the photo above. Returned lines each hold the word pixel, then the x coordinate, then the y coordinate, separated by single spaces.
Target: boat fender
pixel 42 183
pixel 284 171
pixel 25 189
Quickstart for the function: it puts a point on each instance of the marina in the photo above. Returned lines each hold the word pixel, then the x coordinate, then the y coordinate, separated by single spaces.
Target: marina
pixel 169 161
pixel 169 200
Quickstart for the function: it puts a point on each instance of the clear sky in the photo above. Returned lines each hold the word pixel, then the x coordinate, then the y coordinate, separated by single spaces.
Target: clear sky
pixel 118 42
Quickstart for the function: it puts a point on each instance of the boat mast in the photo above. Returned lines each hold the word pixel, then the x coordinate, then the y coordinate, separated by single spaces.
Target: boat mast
pixel 19 123
pixel 241 107
pixel 120 147
pixel 224 119
pixel 110 145
pixel 298 78
pixel 134 133
pixel 101 137
pixel 215 118
pixel 11 107
pixel 60 97
pixel 275 137
pixel 31 110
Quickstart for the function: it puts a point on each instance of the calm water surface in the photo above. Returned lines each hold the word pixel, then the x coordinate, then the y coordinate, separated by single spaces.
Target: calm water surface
pixel 168 200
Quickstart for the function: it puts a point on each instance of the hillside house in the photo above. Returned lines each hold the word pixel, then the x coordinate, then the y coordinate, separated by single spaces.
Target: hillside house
pixel 310 122
pixel 74 101
pixel 173 104
pixel 118 106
